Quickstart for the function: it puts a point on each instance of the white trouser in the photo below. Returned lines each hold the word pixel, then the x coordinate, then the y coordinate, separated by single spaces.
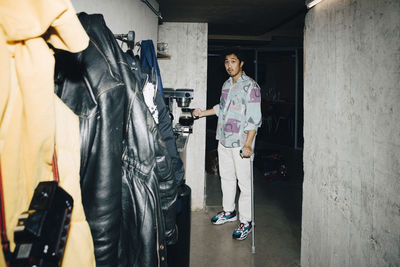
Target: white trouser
pixel 232 167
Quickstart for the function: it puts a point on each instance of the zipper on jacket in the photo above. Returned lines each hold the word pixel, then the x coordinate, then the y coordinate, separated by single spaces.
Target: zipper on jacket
pixel 84 143
pixel 156 217
pixel 131 102
pixel 84 127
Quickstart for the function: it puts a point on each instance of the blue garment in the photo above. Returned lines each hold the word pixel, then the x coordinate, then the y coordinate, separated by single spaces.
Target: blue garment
pixel 148 58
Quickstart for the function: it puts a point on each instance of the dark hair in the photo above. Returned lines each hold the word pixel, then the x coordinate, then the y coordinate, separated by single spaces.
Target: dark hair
pixel 236 52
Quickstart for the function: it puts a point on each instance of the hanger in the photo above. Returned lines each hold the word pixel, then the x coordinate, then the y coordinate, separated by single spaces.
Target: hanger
pixel 128 38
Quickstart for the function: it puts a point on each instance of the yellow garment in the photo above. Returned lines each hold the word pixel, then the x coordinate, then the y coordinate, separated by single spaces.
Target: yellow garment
pixel 29 111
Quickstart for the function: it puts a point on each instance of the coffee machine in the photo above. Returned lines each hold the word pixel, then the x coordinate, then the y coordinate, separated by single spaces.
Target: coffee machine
pixel 182 127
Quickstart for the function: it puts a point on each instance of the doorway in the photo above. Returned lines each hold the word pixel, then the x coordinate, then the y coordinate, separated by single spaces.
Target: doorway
pixel 278 165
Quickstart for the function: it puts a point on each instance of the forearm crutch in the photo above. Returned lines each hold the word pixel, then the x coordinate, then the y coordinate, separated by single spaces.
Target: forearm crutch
pixel 253 246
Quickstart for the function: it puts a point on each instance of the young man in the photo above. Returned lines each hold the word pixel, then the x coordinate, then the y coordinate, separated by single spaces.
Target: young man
pixel 239 116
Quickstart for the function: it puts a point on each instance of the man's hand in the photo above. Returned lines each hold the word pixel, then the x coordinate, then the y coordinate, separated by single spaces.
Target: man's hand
pixel 203 113
pixel 246 151
pixel 197 112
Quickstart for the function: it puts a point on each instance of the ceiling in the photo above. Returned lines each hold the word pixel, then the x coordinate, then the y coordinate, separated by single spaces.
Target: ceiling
pixel 262 19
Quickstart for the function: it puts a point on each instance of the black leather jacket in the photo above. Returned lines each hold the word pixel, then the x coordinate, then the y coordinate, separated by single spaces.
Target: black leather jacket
pixel 128 187
pixel 164 119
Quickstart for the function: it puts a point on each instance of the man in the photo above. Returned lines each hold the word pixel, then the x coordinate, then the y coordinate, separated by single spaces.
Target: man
pixel 239 116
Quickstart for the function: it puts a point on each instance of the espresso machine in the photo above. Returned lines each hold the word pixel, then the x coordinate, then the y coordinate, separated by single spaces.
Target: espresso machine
pixel 182 127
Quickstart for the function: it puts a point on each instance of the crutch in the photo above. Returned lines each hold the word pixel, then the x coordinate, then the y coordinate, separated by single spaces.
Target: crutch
pixel 253 246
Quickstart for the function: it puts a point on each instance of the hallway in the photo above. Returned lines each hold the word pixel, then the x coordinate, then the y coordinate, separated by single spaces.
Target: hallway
pixel 277 218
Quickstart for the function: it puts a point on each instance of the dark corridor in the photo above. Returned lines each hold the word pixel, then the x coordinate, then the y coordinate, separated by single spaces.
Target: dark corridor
pixel 278 165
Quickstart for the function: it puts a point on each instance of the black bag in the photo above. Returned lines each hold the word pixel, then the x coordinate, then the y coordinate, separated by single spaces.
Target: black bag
pixel 41 233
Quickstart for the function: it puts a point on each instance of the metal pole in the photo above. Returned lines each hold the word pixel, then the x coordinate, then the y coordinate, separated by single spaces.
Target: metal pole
pixel 158 13
pixel 296 100
pixel 253 246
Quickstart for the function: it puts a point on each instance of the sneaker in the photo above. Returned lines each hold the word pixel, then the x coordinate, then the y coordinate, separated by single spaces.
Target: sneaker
pixel 223 217
pixel 242 231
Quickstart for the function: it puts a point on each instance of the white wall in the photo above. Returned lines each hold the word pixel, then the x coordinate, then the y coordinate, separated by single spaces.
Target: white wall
pixel 351 193
pixel 122 16
pixel 187 68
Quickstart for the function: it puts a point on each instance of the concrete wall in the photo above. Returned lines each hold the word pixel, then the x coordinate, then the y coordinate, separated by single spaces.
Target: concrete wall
pixel 351 201
pixel 122 16
pixel 187 68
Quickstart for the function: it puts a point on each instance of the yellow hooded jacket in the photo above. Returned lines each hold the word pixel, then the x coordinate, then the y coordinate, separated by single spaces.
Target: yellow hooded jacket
pixel 33 121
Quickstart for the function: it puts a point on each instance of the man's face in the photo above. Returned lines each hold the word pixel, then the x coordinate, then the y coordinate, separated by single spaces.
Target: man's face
pixel 233 66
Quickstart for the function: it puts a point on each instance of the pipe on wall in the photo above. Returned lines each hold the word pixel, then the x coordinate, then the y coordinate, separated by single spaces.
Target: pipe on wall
pixel 158 13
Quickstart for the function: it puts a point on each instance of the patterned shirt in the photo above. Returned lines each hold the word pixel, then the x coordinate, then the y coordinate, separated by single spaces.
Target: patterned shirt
pixel 239 111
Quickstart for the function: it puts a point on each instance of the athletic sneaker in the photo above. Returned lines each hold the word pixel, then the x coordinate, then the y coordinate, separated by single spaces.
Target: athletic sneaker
pixel 242 231
pixel 223 217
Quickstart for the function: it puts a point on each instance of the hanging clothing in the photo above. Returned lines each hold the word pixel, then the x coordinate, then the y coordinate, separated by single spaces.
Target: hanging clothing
pixel 164 120
pixel 28 111
pixel 149 62
pixel 165 127
pixel 128 185
pixel 79 250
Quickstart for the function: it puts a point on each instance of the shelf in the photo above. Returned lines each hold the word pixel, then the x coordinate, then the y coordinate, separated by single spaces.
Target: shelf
pixel 163 55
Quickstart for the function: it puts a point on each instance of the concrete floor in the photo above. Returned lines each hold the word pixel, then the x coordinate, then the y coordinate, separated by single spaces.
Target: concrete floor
pixel 277 221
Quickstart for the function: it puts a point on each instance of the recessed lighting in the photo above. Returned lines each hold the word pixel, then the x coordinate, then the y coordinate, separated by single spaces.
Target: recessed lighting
pixel 311 3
